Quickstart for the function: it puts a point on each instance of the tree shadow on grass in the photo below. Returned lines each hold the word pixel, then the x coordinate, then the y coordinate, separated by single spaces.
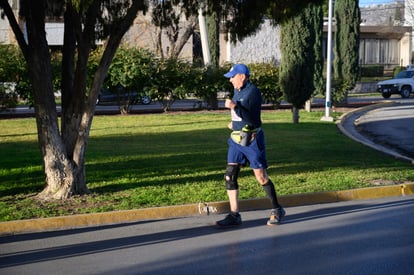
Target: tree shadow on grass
pixel 124 162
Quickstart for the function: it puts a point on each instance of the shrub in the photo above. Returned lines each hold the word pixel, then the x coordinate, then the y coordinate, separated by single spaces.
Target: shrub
pixel 372 70
pixel 8 95
pixel 266 77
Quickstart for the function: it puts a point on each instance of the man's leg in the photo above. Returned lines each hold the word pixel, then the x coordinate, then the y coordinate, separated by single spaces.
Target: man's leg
pixel 233 200
pixel 232 186
pixel 268 186
pixel 232 173
pixel 277 210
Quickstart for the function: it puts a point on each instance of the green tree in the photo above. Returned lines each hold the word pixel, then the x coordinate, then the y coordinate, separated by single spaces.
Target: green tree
pixel 346 49
pixel 12 65
pixel 213 28
pixel 167 79
pixel 213 33
pixel 63 145
pixel 318 79
pixel 63 149
pixel 12 71
pixel 131 69
pixel 297 70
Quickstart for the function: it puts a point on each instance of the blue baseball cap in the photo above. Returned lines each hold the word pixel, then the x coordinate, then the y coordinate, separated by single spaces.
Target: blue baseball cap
pixel 238 69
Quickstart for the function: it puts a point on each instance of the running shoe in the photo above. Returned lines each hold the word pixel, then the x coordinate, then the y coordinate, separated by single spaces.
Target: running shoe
pixel 276 216
pixel 232 219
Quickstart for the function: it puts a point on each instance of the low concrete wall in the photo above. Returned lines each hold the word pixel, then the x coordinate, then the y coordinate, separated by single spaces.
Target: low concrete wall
pixel 366 87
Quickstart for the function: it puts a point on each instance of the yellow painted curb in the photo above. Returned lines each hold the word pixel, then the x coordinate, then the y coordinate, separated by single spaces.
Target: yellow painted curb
pixel 97 219
pixel 370 193
pixel 309 198
pixel 94 219
pixel 407 189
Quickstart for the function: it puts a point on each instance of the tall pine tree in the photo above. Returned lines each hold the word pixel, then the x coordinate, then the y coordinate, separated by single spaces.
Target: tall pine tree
pixel 318 79
pixel 346 48
pixel 213 29
pixel 300 46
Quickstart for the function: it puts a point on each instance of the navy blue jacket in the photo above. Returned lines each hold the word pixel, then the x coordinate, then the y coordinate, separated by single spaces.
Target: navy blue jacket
pixel 248 107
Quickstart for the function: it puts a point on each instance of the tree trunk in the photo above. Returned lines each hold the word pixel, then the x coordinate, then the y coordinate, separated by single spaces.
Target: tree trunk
pixel 295 115
pixel 158 46
pixel 58 168
pixel 178 45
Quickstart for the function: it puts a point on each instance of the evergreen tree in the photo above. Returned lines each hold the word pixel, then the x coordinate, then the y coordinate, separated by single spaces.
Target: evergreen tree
pixel 298 66
pixel 318 80
pixel 213 30
pixel 346 49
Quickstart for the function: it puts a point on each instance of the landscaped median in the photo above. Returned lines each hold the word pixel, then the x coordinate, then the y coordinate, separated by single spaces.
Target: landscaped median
pixel 202 208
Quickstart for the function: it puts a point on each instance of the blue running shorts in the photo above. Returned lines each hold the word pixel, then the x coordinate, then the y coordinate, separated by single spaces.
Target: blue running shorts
pixel 254 153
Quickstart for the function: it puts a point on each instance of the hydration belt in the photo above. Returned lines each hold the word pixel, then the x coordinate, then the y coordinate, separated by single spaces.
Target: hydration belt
pixel 244 137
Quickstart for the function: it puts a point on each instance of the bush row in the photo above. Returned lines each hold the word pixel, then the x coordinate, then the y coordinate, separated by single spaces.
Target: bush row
pixel 378 70
pixel 140 70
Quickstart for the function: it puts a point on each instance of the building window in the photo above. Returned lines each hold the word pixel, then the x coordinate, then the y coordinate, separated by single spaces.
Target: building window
pixel 379 51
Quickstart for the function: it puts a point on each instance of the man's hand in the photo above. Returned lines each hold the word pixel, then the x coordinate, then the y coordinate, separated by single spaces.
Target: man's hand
pixel 229 104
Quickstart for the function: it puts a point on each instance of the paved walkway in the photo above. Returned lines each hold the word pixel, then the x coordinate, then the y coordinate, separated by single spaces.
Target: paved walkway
pixel 353 237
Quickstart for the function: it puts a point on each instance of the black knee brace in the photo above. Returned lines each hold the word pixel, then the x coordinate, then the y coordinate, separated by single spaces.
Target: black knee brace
pixel 232 173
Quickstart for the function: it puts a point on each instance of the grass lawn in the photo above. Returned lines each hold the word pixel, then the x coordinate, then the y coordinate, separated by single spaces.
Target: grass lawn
pixel 151 160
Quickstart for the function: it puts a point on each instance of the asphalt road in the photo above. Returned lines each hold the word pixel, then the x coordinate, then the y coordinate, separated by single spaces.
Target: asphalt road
pixel 354 237
pixel 391 126
pixel 387 127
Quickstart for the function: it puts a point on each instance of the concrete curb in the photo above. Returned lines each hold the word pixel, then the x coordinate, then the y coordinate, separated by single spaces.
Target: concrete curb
pixel 127 216
pixel 348 124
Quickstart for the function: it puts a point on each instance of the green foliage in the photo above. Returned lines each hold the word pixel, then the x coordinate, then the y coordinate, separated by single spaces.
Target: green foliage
pixel 206 82
pixel 266 77
pixel 13 70
pixel 8 96
pixel 346 50
pixel 372 70
pixel 168 80
pixel 298 57
pixel 165 80
pixel 56 62
pixel 213 29
pixel 318 79
pixel 131 68
pixel 164 14
pixel 247 15
pixel 12 64
pixel 340 88
pixel 93 63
